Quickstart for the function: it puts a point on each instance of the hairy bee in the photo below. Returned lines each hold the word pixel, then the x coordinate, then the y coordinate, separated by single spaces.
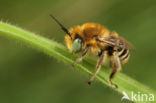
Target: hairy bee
pixel 96 40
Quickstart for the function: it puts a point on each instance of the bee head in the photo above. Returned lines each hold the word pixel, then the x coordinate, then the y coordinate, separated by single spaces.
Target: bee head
pixel 77 44
pixel 74 43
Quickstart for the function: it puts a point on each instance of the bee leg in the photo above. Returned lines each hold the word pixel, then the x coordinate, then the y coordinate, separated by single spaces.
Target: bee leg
pixel 81 57
pixel 98 67
pixel 116 66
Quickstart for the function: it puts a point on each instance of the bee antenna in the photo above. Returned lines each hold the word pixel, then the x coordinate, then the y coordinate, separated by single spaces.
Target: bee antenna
pixel 62 27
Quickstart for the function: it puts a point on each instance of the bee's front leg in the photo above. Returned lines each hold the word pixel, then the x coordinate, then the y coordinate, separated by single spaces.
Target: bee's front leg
pixel 81 57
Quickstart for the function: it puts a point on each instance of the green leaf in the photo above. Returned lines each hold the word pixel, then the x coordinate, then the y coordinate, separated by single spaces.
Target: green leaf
pixel 59 52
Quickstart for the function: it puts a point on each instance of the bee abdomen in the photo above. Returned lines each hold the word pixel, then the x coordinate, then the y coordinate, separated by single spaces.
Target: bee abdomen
pixel 124 55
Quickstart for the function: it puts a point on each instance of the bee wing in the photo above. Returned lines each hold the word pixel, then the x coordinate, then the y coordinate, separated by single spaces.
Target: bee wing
pixel 113 42
pixel 130 45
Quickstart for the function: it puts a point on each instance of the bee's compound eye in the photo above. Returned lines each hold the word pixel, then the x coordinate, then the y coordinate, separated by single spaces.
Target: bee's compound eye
pixel 76 46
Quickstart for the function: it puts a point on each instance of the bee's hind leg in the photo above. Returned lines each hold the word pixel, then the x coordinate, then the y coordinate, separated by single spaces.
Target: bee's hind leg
pixel 98 67
pixel 116 66
pixel 81 57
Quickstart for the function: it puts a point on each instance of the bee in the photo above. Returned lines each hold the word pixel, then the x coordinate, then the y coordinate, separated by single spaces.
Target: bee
pixel 96 40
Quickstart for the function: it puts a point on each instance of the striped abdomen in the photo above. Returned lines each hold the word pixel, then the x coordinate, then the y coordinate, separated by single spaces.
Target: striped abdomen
pixel 123 54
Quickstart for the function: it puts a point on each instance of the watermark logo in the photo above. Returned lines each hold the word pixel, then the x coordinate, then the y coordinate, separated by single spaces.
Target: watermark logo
pixel 140 97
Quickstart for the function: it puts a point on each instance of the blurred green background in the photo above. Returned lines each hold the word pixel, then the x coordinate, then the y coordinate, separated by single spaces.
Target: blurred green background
pixel 29 76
